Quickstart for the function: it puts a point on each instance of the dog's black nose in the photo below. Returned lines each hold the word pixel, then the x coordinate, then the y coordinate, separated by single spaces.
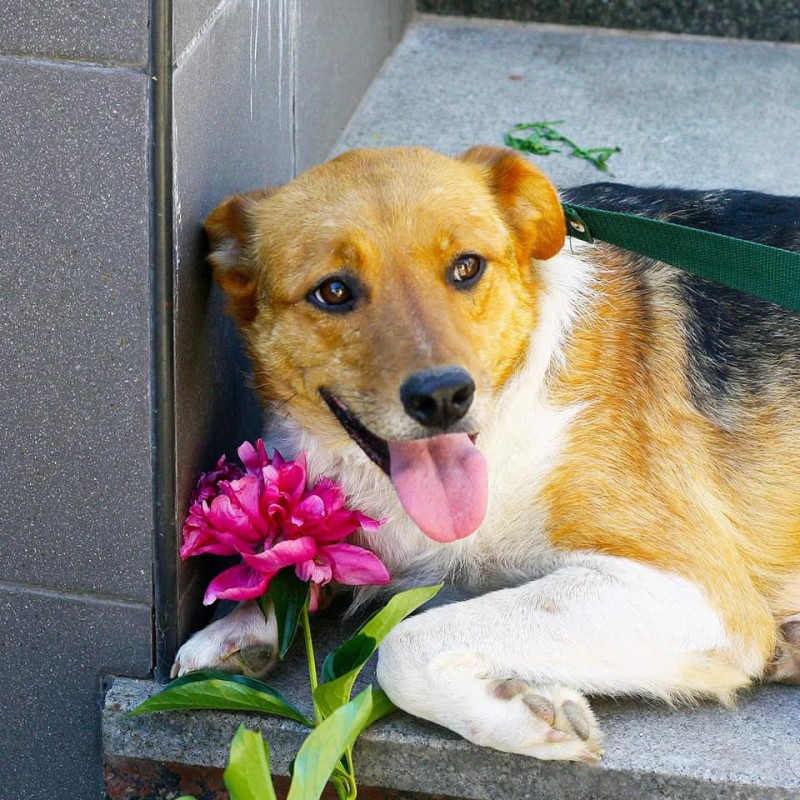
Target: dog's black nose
pixel 438 397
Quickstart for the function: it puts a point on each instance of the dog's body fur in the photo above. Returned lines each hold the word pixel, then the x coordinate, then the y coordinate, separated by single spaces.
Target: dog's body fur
pixel 639 428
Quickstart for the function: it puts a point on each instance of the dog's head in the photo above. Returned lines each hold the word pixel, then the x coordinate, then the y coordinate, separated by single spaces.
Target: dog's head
pixel 385 297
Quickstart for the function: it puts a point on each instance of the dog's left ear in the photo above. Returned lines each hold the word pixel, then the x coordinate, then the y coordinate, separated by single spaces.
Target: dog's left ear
pixel 228 228
pixel 527 198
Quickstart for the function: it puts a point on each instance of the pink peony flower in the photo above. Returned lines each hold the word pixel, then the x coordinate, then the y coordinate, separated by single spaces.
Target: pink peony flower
pixel 208 483
pixel 267 515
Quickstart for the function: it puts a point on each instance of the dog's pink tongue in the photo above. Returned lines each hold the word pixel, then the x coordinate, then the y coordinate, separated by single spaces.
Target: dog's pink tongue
pixel 442 483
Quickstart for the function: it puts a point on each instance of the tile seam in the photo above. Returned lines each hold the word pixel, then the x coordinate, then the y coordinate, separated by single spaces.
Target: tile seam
pixel 72 595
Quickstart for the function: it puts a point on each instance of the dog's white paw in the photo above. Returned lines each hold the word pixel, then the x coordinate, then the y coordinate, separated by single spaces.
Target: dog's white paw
pixel 242 642
pixel 547 722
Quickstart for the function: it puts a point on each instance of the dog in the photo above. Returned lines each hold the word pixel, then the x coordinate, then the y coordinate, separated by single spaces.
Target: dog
pixel 600 450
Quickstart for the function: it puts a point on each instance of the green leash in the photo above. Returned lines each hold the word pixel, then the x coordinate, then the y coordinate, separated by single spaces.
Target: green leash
pixel 755 269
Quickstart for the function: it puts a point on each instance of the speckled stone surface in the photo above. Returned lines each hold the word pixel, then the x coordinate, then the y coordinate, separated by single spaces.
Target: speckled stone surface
pixel 752 751
pixel 775 20
pixel 56 650
pixel 75 329
pixel 107 32
pixel 340 47
pixel 229 99
pixel 189 20
pixel 699 113
pixel 75 579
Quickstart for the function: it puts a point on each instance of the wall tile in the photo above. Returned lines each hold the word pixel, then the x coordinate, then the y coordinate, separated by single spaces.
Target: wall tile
pixel 340 47
pixel 188 18
pixel 74 329
pixel 101 31
pixel 55 652
pixel 233 132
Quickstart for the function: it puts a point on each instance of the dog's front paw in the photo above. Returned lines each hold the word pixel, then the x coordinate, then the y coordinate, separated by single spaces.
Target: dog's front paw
pixel 547 722
pixel 242 642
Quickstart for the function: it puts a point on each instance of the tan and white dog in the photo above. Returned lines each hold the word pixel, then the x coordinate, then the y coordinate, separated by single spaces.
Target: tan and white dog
pixel 601 449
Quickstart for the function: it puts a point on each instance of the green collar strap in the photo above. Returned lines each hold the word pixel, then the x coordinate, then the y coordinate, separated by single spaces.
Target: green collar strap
pixel 755 269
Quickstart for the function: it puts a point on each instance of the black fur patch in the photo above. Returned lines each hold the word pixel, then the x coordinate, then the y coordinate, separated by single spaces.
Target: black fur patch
pixel 737 345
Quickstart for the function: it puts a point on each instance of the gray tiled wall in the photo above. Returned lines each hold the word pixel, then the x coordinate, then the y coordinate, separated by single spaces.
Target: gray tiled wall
pixel 75 579
pixel 258 87
pixel 330 80
pixel 94 31
pixel 262 90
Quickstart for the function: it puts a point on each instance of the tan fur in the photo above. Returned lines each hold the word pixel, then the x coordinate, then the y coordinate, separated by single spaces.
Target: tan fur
pixel 647 477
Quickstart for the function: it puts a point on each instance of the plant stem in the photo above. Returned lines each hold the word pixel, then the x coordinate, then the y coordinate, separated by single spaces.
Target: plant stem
pixel 310 660
pixel 348 755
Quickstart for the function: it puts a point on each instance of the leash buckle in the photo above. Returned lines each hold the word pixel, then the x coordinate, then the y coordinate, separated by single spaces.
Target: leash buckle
pixel 576 225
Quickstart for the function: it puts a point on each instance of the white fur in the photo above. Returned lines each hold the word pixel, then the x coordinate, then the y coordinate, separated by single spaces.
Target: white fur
pixel 220 644
pixel 598 624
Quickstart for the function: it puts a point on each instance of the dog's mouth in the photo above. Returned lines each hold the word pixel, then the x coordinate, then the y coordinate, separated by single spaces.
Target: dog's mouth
pixel 441 481
pixel 376 449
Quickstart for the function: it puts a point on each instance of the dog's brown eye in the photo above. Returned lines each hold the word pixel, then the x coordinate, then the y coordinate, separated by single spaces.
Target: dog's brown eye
pixel 333 293
pixel 467 269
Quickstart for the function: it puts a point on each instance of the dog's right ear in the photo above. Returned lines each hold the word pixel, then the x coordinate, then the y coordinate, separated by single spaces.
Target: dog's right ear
pixel 229 228
pixel 526 197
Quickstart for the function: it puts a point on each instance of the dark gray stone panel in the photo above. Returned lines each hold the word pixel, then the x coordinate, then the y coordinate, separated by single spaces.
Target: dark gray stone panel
pixel 74 329
pixel 232 133
pixel 773 20
pixel 188 19
pixel 56 651
pixel 99 31
pixel 340 48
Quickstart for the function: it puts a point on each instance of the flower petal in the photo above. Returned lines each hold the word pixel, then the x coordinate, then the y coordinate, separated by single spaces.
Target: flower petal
pixel 202 538
pixel 355 566
pixel 208 484
pixel 314 570
pixel 246 493
pixel 310 508
pixel 253 458
pixel 330 492
pixel 342 523
pixel 237 583
pixel 225 514
pixel 283 554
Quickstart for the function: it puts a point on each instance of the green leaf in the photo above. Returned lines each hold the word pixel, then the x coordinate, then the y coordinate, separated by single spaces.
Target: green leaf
pixel 356 650
pixel 210 689
pixel 382 706
pixel 247 775
pixel 288 594
pixel 342 785
pixel 342 666
pixel 537 133
pixel 532 145
pixel 323 748
pixel 360 646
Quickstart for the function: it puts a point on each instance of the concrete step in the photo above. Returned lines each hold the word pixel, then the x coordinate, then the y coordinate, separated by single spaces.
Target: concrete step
pixel 773 20
pixel 751 752
pixel 686 111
